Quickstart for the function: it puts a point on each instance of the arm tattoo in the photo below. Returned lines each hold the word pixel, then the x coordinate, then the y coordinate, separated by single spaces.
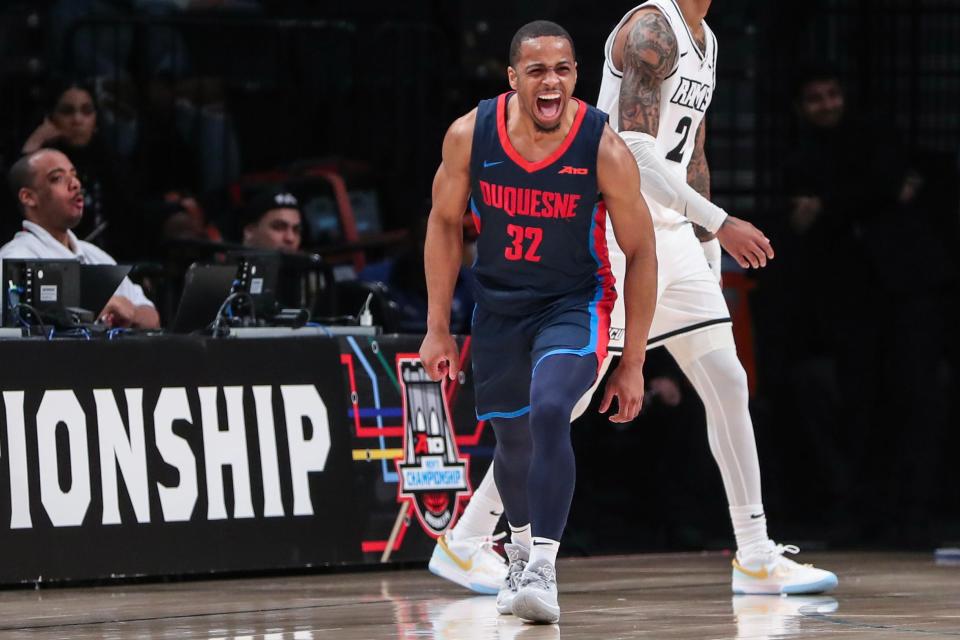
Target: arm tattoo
pixel 698 176
pixel 649 56
pixel 698 171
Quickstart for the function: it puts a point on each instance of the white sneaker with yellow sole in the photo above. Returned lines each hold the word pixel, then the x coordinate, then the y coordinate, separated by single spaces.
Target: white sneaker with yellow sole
pixel 769 572
pixel 471 563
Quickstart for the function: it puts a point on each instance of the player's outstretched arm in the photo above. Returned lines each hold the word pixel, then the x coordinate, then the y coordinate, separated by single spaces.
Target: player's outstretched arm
pixel 747 244
pixel 443 248
pixel 619 181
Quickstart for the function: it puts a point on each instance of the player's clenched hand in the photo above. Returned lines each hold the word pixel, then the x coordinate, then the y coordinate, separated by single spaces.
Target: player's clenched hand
pixel 440 355
pixel 626 384
pixel 747 244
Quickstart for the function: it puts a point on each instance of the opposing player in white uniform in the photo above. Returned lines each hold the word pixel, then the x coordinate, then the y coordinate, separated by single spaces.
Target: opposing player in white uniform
pixel 658 79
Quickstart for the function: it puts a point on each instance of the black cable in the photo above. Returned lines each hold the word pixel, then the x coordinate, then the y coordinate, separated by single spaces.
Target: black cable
pixel 217 320
pixel 23 305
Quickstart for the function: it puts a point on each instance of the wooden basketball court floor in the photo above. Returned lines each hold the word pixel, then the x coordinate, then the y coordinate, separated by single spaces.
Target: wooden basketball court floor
pixel 894 595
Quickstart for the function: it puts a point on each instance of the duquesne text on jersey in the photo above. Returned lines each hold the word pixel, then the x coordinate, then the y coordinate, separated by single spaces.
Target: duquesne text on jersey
pixel 520 201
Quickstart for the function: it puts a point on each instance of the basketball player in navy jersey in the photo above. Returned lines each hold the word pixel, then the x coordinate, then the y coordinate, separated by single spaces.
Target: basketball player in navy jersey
pixel 531 165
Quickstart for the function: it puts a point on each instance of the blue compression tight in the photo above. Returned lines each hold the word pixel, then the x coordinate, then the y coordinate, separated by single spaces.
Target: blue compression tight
pixel 534 465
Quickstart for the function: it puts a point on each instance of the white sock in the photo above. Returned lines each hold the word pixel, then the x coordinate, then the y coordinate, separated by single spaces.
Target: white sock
pixel 483 512
pixel 521 535
pixel 544 549
pixel 750 529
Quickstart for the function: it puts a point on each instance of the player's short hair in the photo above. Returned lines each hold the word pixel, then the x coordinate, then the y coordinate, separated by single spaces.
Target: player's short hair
pixel 537 29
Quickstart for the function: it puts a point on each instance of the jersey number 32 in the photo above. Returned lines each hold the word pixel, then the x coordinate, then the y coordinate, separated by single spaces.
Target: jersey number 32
pixel 531 236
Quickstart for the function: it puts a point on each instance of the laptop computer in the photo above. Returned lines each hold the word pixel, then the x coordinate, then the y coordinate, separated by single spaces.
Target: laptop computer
pixel 205 288
pixel 98 283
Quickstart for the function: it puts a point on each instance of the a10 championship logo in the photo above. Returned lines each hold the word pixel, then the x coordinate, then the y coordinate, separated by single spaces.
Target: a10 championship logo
pixel 433 476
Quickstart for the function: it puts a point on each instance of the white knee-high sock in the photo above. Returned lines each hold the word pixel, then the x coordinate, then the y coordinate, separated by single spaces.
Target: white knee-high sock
pixel 483 512
pixel 721 383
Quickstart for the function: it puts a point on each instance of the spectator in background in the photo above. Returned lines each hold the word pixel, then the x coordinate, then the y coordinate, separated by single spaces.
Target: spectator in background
pixel 274 222
pixel 51 198
pixel 862 286
pixel 70 126
pixel 102 40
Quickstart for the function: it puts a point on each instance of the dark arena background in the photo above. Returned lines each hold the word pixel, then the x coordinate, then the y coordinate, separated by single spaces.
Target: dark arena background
pixel 267 478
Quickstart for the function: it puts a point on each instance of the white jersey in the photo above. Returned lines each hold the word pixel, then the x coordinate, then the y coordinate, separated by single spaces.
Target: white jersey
pixel 684 97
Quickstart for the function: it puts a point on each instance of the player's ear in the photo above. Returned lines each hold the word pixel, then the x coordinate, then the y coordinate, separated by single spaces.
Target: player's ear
pixel 512 78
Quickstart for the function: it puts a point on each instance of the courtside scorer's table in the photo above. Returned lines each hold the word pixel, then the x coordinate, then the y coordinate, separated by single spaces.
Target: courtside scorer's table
pixel 184 455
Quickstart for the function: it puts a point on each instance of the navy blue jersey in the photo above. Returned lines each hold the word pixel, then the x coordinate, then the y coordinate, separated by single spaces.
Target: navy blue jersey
pixel 542 224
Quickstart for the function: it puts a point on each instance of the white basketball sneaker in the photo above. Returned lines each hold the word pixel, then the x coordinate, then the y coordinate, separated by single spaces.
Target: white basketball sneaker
pixel 769 572
pixel 518 556
pixel 471 563
pixel 536 599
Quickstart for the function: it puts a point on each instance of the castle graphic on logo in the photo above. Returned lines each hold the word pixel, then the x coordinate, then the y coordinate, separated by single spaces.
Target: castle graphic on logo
pixel 433 476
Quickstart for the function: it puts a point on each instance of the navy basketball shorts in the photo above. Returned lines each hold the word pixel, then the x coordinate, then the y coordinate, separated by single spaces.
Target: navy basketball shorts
pixel 507 349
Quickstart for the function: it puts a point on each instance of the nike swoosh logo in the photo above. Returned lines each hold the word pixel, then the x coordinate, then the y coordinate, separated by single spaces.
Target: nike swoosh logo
pixel 496 513
pixel 754 516
pixel 684 53
pixel 491 164
pixel 759 575
pixel 466 565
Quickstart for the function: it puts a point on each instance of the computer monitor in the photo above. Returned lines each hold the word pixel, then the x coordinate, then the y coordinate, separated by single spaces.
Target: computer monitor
pixel 39 291
pixel 258 275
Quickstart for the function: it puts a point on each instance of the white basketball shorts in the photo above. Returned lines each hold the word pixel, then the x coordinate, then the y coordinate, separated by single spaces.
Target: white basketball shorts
pixel 689 298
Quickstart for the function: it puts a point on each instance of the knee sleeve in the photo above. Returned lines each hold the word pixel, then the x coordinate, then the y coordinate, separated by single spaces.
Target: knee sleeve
pixel 559 381
pixel 721 383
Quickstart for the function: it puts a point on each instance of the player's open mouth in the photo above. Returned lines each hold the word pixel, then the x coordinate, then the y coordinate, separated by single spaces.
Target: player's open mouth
pixel 78 202
pixel 548 105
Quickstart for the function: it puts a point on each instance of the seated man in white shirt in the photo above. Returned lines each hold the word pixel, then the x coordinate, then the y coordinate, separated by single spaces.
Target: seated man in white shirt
pixel 51 198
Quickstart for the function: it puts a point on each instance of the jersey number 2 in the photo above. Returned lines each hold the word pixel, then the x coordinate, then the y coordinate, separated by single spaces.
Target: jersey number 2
pixel 683 128
pixel 518 234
